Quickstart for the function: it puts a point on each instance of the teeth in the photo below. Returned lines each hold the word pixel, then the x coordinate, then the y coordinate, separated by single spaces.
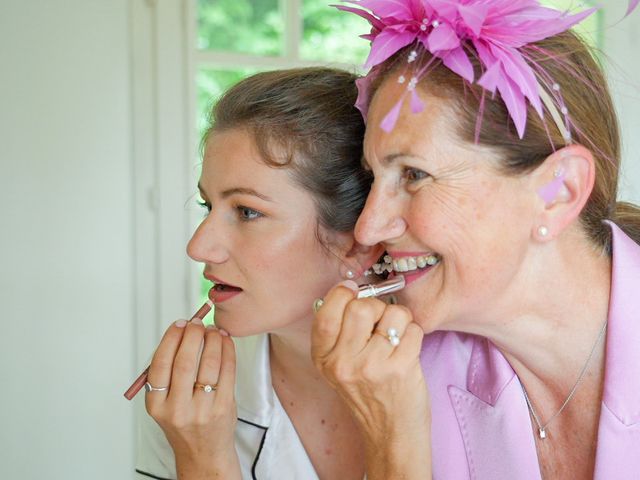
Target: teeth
pixel 404 264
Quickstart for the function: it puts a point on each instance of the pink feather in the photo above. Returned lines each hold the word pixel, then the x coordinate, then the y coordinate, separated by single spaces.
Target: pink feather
pixel 443 38
pixel 458 61
pixel 386 43
pixel 416 103
pixel 391 118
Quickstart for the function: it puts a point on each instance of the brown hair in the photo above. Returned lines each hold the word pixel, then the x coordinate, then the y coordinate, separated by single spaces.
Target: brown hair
pixel 568 60
pixel 310 113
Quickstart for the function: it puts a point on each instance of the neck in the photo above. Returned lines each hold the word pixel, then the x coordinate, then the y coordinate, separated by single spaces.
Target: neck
pixel 291 363
pixel 555 319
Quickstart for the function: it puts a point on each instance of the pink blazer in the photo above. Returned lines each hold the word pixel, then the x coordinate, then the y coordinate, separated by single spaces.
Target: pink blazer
pixel 481 426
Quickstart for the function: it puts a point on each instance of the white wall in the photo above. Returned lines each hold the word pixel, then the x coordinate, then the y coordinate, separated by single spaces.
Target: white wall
pixel 66 241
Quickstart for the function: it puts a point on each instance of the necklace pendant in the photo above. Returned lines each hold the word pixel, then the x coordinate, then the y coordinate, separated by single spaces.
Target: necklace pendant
pixel 542 433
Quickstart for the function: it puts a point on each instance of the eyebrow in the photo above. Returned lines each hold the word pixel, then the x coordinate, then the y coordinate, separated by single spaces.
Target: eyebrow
pixel 240 191
pixel 389 159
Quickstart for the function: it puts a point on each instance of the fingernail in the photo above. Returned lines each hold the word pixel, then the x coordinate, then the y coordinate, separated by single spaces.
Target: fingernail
pixel 349 284
pixel 180 323
pixel 197 321
pixel 223 332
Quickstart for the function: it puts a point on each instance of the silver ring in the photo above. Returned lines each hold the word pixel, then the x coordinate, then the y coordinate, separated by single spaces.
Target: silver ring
pixel 317 303
pixel 150 388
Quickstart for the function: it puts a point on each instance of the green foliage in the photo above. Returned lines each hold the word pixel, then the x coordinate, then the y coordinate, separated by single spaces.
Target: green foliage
pixel 245 26
pixel 330 35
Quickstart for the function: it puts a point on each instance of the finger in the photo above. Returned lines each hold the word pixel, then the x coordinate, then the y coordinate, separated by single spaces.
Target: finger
pixel 185 364
pixel 328 320
pixel 395 317
pixel 209 368
pixel 359 320
pixel 162 362
pixel 225 393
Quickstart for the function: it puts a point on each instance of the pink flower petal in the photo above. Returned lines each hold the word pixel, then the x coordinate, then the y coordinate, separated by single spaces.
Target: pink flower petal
pixel 458 61
pixel 391 118
pixel 474 16
pixel 443 38
pixel 416 103
pixel 386 43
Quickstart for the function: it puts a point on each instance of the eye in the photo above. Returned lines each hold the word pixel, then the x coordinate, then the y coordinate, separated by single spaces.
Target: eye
pixel 412 175
pixel 247 214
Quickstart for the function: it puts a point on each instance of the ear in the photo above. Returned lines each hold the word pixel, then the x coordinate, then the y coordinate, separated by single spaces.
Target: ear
pixel 563 184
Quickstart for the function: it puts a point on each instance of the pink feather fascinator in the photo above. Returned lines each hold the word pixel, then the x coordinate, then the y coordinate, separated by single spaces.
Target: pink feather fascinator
pixel 494 31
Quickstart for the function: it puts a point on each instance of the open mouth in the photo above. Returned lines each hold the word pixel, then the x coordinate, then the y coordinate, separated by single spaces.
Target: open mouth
pixel 223 287
pixel 406 263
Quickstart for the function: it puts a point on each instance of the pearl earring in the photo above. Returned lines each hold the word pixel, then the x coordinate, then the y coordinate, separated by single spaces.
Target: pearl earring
pixel 543 231
pixel 350 275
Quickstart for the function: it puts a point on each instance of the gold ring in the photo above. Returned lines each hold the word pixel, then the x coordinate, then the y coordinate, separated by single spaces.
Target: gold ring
pixel 205 387
pixel 317 303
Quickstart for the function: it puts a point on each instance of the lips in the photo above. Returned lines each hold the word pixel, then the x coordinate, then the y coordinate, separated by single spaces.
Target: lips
pixel 221 284
pixel 221 290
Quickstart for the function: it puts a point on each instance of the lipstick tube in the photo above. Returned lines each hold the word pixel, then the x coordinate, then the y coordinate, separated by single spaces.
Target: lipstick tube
pixel 383 288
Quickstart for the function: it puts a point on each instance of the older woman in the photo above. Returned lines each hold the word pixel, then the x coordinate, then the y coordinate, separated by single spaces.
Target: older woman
pixel 494 146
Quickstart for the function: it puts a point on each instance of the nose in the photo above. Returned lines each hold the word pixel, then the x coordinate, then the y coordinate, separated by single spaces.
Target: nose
pixel 381 219
pixel 206 244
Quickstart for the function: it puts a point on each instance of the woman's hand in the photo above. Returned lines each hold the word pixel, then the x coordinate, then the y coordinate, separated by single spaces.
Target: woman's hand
pixel 383 384
pixel 199 424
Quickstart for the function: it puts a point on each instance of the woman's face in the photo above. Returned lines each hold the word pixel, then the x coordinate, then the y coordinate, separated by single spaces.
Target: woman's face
pixel 259 237
pixel 433 195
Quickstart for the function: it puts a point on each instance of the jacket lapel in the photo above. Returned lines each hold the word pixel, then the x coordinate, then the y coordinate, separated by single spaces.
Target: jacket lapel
pixel 493 418
pixel 618 453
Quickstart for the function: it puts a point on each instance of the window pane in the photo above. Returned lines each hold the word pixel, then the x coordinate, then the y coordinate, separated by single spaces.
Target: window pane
pixel 211 84
pixel 331 35
pixel 244 26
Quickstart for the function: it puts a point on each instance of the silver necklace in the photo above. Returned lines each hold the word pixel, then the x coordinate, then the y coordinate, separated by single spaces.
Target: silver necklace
pixel 542 429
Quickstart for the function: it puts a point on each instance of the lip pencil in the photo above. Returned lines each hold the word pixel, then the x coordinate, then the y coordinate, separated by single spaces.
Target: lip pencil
pixel 370 290
pixel 142 379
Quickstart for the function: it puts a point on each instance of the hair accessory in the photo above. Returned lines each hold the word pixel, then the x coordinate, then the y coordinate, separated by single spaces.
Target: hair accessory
pixel 493 30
